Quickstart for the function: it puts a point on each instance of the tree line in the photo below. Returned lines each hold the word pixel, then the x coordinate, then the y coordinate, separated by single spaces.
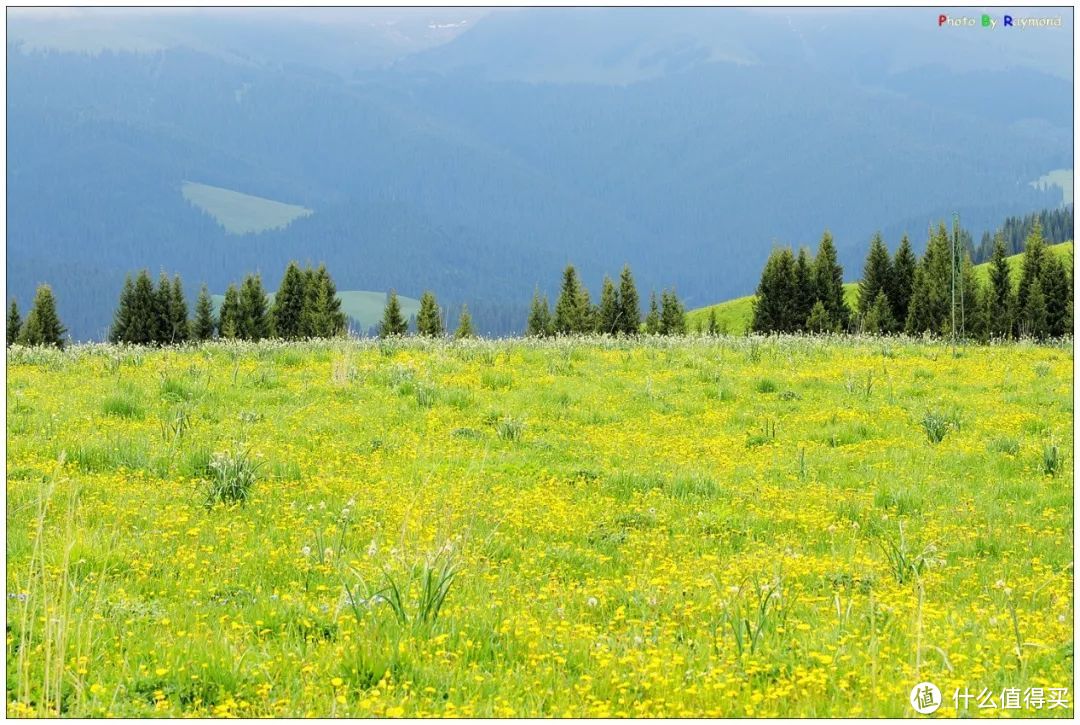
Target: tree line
pixel 305 306
pixel 617 313
pixel 1056 225
pixel 903 293
pixel 429 319
pixel 796 293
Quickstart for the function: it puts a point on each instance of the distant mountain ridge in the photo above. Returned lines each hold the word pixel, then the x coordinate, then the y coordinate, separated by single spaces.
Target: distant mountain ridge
pixel 685 144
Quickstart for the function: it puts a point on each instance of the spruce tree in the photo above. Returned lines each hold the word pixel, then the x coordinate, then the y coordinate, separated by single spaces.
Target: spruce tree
pixel 1000 305
pixel 289 306
pixel 393 322
pixel 309 318
pixel 141 323
pixel 1057 291
pixel 464 326
pixel 1034 255
pixel 805 290
pixel 254 314
pixel 43 325
pixel 976 306
pixel 777 295
pixel 179 329
pixel 672 314
pixel 931 296
pixel 610 311
pixel 829 281
pixel 589 311
pixel 572 310
pixel 713 328
pixel 429 319
pixel 202 328
pixel 122 317
pixel 330 318
pixel 969 319
pixel 540 323
pixel 818 320
pixel 1033 317
pixel 902 280
pixel 163 301
pixel 876 277
pixel 14 323
pixel 652 320
pixel 878 319
pixel 629 304
pixel 230 323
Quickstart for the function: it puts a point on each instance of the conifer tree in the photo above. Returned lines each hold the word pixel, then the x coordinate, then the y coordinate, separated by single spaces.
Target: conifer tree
pixel 179 327
pixel 330 318
pixel 969 318
pixel 713 328
pixel 819 321
pixel 140 322
pixel 254 313
pixel 464 326
pixel 876 277
pixel 672 314
pixel 1033 318
pixel 202 328
pixel 976 306
pixel 393 322
pixel 902 281
pixel 610 311
pixel 652 320
pixel 163 299
pixel 805 290
pixel 777 295
pixel 629 304
pixel 878 319
pixel 14 323
pixel 1057 292
pixel 429 318
pixel 122 317
pixel 309 318
pixel 1000 305
pixel 572 310
pixel 539 316
pixel 931 295
pixel 1034 255
pixel 43 325
pixel 230 324
pixel 829 283
pixel 289 305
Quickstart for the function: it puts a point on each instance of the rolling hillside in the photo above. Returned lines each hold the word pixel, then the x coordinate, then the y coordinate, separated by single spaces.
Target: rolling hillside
pixel 733 316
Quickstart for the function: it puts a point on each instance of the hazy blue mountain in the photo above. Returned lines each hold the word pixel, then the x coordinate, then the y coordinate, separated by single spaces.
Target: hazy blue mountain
pixel 477 160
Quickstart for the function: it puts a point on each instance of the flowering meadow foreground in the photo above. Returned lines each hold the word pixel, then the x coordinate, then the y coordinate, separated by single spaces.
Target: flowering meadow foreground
pixel 705 526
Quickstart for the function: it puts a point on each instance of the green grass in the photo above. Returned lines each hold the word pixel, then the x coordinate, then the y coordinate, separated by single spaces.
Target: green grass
pixel 241 213
pixel 533 528
pixel 361 305
pixel 733 316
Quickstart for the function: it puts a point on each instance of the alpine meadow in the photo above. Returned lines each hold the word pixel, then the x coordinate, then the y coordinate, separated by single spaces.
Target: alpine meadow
pixel 539 362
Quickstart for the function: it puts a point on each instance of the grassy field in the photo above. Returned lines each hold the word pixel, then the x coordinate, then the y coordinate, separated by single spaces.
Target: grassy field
pixel 241 213
pixel 360 305
pixel 723 527
pixel 734 315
